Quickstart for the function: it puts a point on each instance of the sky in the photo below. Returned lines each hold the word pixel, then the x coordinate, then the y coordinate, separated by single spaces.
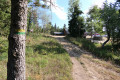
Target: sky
pixel 59 13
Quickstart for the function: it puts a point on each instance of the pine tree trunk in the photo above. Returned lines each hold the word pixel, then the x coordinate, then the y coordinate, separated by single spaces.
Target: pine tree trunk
pixel 16 50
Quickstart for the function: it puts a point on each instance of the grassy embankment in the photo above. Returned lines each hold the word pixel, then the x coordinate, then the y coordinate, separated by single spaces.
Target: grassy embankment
pixel 45 59
pixel 106 53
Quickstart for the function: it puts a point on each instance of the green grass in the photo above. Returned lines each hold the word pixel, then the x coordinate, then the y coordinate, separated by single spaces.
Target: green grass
pixel 106 53
pixel 3 57
pixel 45 59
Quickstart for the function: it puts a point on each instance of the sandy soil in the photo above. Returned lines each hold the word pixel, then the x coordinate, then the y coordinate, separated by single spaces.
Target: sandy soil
pixel 86 66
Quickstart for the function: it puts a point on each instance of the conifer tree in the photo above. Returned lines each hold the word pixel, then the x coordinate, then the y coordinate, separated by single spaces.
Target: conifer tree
pixel 75 26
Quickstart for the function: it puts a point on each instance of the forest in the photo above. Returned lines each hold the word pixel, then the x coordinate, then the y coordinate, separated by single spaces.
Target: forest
pixel 30 49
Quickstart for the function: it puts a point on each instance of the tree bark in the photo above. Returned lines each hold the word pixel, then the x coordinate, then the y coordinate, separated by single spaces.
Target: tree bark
pixel 108 38
pixel 16 50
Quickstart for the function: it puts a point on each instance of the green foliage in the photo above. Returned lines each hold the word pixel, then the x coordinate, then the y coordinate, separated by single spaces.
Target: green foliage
pixel 72 4
pixel 37 15
pixel 47 29
pixel 55 29
pixel 29 18
pixel 110 16
pixel 32 21
pixel 29 1
pixel 81 26
pixel 5 10
pixel 94 20
pixel 94 12
pixel 41 3
pixel 76 23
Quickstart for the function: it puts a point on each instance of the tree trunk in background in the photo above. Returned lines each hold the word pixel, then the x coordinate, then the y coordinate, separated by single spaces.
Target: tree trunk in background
pixel 16 50
pixel 108 38
pixel 29 24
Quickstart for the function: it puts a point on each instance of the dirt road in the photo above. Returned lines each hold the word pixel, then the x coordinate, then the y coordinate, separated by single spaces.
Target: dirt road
pixel 86 66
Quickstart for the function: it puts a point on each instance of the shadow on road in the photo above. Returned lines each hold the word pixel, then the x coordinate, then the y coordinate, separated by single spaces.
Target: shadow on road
pixel 73 50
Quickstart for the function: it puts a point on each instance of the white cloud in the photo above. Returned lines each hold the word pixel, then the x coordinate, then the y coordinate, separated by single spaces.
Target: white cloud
pixel 58 10
pixel 85 11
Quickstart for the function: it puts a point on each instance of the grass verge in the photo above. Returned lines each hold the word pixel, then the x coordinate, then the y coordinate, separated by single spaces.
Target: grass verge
pixel 45 59
pixel 106 53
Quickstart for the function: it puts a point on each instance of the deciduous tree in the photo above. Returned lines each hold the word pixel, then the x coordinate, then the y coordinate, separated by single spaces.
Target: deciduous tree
pixel 110 18
pixel 94 19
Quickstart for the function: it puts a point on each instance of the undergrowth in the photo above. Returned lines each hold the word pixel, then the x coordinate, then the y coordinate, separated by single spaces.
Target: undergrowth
pixel 45 59
pixel 106 53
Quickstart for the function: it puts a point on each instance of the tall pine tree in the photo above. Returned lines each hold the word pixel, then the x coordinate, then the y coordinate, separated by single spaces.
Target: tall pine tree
pixel 17 37
pixel 75 25
pixel 16 51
